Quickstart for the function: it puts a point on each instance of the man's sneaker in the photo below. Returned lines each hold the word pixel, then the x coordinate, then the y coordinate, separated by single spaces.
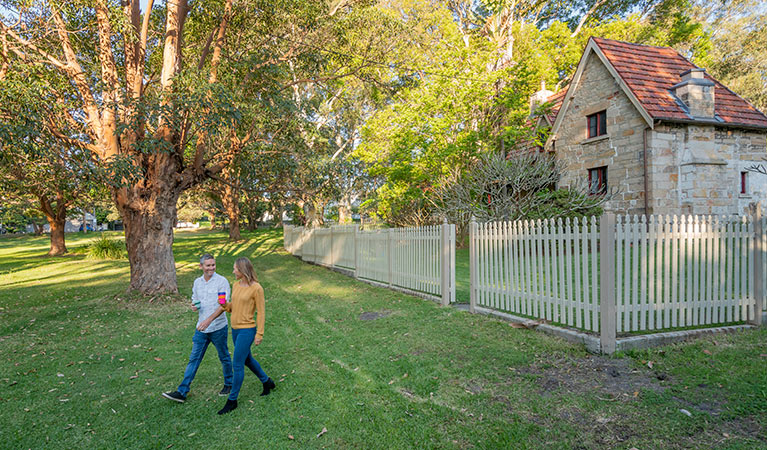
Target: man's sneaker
pixel 176 396
pixel 225 391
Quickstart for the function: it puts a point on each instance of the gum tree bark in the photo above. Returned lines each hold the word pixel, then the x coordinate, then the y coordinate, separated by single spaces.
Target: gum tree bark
pixel 109 99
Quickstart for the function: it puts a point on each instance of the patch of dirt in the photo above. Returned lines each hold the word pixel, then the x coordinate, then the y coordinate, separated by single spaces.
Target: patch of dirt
pixel 474 389
pixel 740 432
pixel 613 377
pixel 744 427
pixel 373 315
pixel 712 407
pixel 136 301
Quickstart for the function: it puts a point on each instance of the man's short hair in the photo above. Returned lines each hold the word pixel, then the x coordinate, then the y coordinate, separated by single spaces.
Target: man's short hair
pixel 206 257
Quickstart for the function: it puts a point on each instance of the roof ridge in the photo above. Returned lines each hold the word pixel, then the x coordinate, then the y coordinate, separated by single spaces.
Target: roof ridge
pixel 636 44
pixel 648 74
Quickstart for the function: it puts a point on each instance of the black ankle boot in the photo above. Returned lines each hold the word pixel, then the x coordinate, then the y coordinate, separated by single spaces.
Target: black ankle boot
pixel 231 405
pixel 268 386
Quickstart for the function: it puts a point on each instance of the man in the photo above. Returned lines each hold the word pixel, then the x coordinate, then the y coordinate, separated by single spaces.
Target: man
pixel 206 292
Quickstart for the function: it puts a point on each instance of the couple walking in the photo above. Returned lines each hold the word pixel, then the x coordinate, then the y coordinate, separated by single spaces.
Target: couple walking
pixel 211 298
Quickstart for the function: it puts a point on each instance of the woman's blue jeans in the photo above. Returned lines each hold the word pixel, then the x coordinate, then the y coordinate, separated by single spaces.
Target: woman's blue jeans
pixel 243 339
pixel 200 343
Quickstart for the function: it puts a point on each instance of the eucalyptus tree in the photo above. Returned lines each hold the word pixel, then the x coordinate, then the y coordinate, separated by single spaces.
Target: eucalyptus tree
pixel 135 99
pixel 34 164
pixel 149 87
pixel 738 54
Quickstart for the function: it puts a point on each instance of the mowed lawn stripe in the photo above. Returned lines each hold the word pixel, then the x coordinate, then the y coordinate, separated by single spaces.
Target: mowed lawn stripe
pixel 83 363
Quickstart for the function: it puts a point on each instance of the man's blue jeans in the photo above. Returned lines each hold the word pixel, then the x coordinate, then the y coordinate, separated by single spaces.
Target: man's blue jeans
pixel 200 343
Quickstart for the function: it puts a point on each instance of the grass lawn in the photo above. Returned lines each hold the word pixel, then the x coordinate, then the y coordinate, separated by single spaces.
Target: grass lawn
pixel 83 364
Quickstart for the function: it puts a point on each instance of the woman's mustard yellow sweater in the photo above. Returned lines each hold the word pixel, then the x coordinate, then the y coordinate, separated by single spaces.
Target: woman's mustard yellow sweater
pixel 247 300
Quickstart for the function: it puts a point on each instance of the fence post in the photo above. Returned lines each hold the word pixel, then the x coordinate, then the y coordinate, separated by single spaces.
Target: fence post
pixel 389 246
pixel 451 235
pixel 332 259
pixel 356 249
pixel 445 241
pixel 758 277
pixel 607 283
pixel 472 265
pixel 314 245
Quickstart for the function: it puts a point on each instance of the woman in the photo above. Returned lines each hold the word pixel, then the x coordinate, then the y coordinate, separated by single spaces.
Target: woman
pixel 247 298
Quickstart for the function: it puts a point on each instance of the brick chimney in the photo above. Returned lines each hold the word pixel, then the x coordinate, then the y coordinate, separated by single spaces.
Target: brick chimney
pixel 696 92
pixel 539 97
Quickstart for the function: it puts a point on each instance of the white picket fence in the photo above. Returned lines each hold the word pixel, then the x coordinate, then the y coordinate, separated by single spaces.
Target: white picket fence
pixel 543 269
pixel 622 274
pixel 680 272
pixel 417 260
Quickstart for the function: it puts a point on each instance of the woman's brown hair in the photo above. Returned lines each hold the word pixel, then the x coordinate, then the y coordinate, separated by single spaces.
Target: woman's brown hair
pixel 244 266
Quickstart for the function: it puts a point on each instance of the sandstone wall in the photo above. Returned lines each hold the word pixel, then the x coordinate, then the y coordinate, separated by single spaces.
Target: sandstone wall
pixel 620 150
pixel 691 169
pixel 696 169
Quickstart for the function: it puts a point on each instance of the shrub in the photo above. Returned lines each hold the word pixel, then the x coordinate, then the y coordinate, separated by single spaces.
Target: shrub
pixel 106 248
pixel 565 203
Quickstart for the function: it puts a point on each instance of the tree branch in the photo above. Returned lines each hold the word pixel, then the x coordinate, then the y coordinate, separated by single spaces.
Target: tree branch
pixel 111 94
pixel 586 17
pixel 215 60
pixel 76 73
pixel 7 31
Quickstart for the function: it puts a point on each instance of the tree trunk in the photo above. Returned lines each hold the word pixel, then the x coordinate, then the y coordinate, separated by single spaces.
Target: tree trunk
pixel 212 214
pixel 234 228
pixel 345 210
pixel 231 202
pixel 252 224
pixel 58 245
pixel 277 214
pixel 57 219
pixel 310 211
pixel 149 220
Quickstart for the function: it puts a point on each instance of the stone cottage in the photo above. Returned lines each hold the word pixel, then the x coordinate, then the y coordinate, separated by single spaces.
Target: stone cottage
pixel 667 136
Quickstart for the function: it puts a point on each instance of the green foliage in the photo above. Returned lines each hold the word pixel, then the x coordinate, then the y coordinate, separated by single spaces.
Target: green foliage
pixel 738 55
pixel 106 247
pixel 564 203
pixel 12 215
pixel 477 65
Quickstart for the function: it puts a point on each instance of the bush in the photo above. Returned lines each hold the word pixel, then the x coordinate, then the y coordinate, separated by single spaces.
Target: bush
pixel 106 248
pixel 564 203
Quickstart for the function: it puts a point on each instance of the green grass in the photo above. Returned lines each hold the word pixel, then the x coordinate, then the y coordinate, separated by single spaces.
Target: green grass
pixel 82 364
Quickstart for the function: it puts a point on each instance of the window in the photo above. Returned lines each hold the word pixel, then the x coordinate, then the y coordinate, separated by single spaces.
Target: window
pixel 744 183
pixel 598 180
pixel 597 124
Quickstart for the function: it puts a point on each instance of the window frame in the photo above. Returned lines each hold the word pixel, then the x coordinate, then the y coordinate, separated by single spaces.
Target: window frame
pixel 601 185
pixel 744 183
pixel 599 121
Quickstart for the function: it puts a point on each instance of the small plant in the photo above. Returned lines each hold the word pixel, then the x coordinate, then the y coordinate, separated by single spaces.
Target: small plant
pixel 106 248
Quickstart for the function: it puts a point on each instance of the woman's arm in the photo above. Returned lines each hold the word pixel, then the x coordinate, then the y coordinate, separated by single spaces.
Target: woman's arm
pixel 260 314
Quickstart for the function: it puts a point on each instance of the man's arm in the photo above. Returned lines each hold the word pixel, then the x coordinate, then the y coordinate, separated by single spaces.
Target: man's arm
pixel 206 323
pixel 195 297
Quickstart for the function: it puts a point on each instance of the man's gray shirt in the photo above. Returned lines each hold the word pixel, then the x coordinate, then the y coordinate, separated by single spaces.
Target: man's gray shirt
pixel 206 292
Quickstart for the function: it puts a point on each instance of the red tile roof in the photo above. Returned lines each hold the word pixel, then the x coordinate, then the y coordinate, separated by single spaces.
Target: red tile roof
pixel 650 72
pixel 556 103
